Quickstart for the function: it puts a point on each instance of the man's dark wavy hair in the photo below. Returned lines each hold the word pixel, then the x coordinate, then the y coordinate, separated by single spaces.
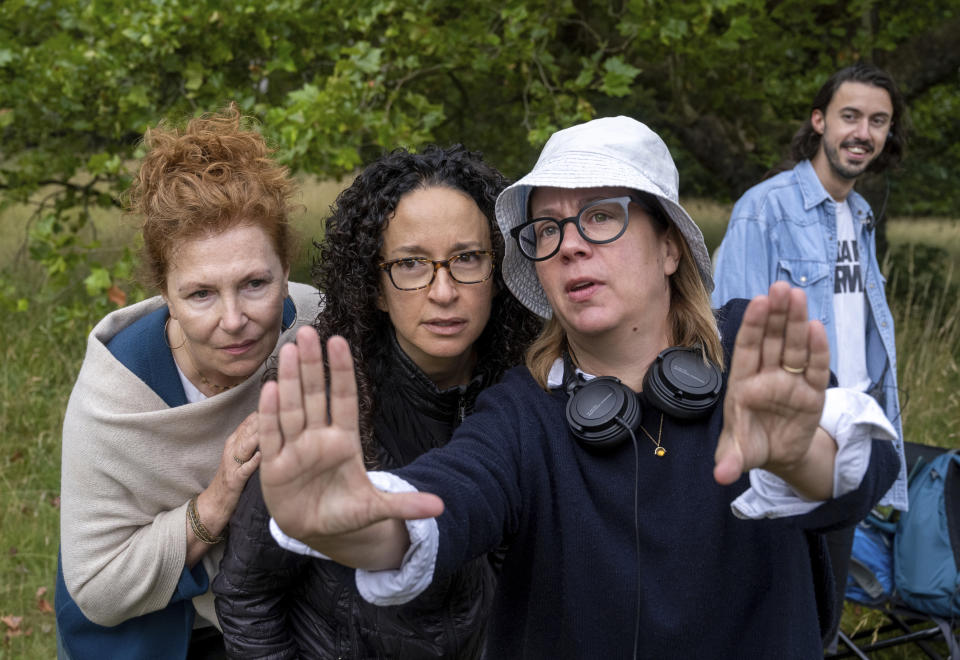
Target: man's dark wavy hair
pixel 348 276
pixel 806 142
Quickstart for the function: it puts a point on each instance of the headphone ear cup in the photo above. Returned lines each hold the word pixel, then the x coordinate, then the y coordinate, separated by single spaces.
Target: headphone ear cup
pixel 681 384
pixel 593 409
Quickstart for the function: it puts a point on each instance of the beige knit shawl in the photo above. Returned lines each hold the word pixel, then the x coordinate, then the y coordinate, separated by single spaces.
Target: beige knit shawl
pixel 129 466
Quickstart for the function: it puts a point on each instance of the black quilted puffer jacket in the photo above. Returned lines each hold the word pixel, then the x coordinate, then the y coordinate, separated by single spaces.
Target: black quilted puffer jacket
pixel 276 604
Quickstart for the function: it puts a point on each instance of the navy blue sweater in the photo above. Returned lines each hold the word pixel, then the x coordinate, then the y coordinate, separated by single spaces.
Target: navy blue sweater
pixel 707 584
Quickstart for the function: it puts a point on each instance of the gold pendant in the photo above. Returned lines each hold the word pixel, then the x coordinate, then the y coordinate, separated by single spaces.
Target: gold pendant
pixel 660 452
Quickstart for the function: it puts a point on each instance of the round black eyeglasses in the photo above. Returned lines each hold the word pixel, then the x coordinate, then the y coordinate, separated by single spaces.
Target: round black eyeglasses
pixel 602 221
pixel 412 273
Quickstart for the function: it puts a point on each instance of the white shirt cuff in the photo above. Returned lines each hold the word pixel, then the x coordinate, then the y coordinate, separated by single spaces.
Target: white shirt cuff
pixel 389 587
pixel 292 544
pixel 401 585
pixel 854 419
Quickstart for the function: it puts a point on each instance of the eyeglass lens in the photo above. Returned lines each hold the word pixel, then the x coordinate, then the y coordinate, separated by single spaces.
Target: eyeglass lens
pixel 466 268
pixel 599 222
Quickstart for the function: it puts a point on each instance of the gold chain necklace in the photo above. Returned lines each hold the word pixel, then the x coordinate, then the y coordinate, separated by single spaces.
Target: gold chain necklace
pixel 215 387
pixel 659 452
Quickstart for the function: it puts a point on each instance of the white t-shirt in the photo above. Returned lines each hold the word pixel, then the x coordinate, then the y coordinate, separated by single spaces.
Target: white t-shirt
pixel 849 306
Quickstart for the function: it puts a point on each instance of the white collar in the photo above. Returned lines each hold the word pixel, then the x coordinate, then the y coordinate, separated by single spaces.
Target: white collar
pixel 555 377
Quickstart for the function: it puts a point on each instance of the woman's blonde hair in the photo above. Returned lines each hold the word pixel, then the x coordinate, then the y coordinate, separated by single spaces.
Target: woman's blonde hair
pixel 690 317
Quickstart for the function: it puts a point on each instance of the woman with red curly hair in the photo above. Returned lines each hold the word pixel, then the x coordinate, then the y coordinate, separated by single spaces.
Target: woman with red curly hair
pixel 159 436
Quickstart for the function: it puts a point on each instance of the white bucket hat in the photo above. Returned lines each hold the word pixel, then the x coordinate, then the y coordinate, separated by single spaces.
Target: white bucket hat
pixel 607 152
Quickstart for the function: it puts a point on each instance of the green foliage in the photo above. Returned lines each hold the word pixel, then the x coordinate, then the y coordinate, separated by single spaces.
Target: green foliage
pixel 336 83
pixel 931 182
pixel 55 245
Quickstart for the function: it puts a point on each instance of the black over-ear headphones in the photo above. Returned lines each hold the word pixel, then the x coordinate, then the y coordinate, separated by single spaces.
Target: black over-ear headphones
pixel 603 412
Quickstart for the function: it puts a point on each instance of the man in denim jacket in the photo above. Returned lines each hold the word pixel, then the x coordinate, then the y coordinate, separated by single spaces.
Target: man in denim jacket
pixel 809 227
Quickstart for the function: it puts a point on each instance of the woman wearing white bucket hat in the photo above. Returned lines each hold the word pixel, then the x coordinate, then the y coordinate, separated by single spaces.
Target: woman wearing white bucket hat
pixel 670 507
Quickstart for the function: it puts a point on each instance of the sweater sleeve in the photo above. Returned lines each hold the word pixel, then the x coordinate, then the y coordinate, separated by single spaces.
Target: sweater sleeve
pixel 254 587
pixel 480 475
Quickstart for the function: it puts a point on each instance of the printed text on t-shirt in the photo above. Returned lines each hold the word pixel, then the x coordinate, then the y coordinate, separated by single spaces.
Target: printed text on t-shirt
pixel 848 278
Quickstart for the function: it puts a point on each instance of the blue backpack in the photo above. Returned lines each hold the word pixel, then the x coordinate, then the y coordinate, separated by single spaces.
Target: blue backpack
pixel 926 545
pixel 870 574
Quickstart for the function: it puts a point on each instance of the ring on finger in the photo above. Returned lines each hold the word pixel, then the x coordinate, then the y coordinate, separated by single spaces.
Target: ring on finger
pixel 238 460
pixel 793 370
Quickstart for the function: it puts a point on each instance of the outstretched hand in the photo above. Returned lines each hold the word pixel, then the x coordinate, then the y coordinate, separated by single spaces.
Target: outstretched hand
pixel 312 474
pixel 775 392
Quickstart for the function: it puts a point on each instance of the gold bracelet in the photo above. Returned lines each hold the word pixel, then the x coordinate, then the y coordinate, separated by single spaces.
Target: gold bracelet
pixel 198 529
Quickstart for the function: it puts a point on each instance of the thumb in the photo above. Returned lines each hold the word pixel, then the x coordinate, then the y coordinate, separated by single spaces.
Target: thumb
pixel 408 506
pixel 251 465
pixel 728 460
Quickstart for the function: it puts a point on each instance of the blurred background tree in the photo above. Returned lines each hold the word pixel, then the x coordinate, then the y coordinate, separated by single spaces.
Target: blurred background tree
pixel 726 82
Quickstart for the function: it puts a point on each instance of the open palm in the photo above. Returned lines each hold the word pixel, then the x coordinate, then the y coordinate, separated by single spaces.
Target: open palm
pixel 775 393
pixel 313 478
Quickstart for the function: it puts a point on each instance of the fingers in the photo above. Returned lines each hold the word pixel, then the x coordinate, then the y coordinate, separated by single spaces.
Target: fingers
pixel 268 422
pixel 746 357
pixel 312 377
pixel 776 325
pixel 774 333
pixel 344 409
pixel 796 351
pixel 299 400
pixel 245 439
pixel 818 365
pixel 249 467
pixel 290 392
pixel 302 387
pixel 245 451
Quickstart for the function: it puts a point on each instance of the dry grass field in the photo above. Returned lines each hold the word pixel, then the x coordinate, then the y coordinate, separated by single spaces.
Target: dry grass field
pixel 43 346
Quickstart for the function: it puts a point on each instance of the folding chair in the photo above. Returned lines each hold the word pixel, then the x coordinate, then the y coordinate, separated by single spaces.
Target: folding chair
pixel 902 625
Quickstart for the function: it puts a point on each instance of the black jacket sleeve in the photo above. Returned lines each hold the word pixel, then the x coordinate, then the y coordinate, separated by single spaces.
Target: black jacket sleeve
pixel 255 587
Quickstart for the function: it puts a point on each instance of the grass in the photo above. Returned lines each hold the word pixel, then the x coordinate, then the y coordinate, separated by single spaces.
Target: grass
pixel 40 361
pixel 43 346
pixel 926 315
pixel 711 217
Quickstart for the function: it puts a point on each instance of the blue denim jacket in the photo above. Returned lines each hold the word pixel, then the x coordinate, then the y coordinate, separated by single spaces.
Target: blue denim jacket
pixel 785 229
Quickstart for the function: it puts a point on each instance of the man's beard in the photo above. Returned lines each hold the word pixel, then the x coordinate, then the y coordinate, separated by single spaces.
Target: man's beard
pixel 839 168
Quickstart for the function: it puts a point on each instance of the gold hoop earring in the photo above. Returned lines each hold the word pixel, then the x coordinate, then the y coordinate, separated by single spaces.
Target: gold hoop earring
pixel 166 325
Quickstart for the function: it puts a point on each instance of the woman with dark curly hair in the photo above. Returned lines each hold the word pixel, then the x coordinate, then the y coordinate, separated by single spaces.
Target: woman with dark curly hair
pixel 409 267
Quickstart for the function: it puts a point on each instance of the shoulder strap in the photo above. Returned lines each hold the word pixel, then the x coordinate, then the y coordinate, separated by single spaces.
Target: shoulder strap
pixel 866 579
